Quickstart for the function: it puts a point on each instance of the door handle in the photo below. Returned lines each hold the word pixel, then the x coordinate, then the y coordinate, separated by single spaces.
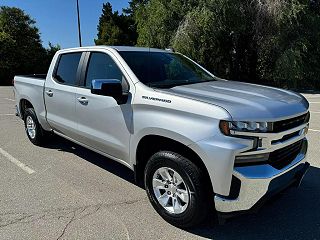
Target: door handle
pixel 49 93
pixel 83 100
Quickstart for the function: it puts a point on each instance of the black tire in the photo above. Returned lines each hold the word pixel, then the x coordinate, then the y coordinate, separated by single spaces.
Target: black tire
pixel 197 208
pixel 40 135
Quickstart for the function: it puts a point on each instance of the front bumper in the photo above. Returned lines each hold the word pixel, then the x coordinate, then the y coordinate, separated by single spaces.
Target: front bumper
pixel 261 181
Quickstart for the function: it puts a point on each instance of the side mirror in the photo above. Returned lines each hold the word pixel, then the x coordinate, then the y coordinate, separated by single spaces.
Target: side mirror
pixel 109 87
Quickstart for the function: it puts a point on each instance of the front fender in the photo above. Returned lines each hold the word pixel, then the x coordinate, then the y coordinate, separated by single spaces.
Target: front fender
pixel 136 138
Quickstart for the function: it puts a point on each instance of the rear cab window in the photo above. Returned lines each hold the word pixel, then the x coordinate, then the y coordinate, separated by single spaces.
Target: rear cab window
pixel 66 71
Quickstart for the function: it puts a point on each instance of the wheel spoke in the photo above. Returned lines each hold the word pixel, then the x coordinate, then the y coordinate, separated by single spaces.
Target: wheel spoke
pixel 164 199
pixel 157 183
pixel 176 205
pixel 164 173
pixel 183 195
pixel 177 179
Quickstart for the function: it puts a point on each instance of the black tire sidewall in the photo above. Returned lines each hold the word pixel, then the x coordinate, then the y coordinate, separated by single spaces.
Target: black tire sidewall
pixel 190 174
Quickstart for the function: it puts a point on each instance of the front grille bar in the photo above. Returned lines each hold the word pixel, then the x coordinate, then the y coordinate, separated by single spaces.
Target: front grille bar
pixel 278 158
pixel 287 124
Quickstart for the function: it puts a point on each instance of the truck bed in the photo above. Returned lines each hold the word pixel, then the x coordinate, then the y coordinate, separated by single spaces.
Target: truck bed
pixel 36 76
pixel 30 88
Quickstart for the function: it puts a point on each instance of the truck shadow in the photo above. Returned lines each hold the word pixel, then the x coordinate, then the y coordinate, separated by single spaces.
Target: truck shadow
pixel 295 213
pixel 109 165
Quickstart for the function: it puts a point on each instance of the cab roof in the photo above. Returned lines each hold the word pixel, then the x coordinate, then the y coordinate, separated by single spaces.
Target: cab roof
pixel 136 49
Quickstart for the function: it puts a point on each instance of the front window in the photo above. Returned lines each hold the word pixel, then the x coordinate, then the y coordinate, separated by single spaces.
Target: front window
pixel 101 66
pixel 164 70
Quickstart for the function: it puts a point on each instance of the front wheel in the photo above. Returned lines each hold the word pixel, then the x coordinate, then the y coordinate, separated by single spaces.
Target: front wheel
pixel 175 187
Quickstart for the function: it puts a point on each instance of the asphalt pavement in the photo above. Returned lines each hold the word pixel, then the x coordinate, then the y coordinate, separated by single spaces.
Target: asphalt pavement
pixel 64 191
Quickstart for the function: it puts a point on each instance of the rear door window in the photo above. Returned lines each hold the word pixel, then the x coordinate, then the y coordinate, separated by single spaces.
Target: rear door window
pixel 67 68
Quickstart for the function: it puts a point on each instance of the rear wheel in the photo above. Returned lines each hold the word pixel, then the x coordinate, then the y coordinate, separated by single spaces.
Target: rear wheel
pixel 175 187
pixel 34 131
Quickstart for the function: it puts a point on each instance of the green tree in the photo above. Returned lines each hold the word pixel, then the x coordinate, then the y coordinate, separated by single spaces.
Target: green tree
pixel 20 44
pixel 134 6
pixel 273 42
pixel 115 28
pixel 50 52
pixel 158 20
pixel 218 34
pixel 289 55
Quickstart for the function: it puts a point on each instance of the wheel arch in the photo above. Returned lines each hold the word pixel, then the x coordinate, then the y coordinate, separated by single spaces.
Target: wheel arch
pixel 23 105
pixel 150 144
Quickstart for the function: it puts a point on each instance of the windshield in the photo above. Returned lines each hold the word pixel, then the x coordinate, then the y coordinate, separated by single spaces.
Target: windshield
pixel 164 70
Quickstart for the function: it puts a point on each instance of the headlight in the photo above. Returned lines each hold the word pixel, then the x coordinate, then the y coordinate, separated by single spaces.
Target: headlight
pixel 242 126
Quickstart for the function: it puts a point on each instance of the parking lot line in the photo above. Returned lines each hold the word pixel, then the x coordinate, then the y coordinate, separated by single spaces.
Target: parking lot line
pixel 7 114
pixel 17 162
pixel 313 130
pixel 9 99
pixel 314 102
pixel 313 97
pixel 314 112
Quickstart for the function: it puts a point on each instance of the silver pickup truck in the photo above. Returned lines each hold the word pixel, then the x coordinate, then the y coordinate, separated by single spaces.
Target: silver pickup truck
pixel 194 141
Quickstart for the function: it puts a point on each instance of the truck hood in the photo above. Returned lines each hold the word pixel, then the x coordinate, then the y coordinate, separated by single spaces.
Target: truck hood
pixel 247 102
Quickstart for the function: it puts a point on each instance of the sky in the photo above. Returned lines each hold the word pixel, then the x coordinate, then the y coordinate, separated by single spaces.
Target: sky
pixel 57 19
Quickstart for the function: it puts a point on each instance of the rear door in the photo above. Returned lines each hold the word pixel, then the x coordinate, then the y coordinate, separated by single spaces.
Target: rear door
pixel 60 93
pixel 102 123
